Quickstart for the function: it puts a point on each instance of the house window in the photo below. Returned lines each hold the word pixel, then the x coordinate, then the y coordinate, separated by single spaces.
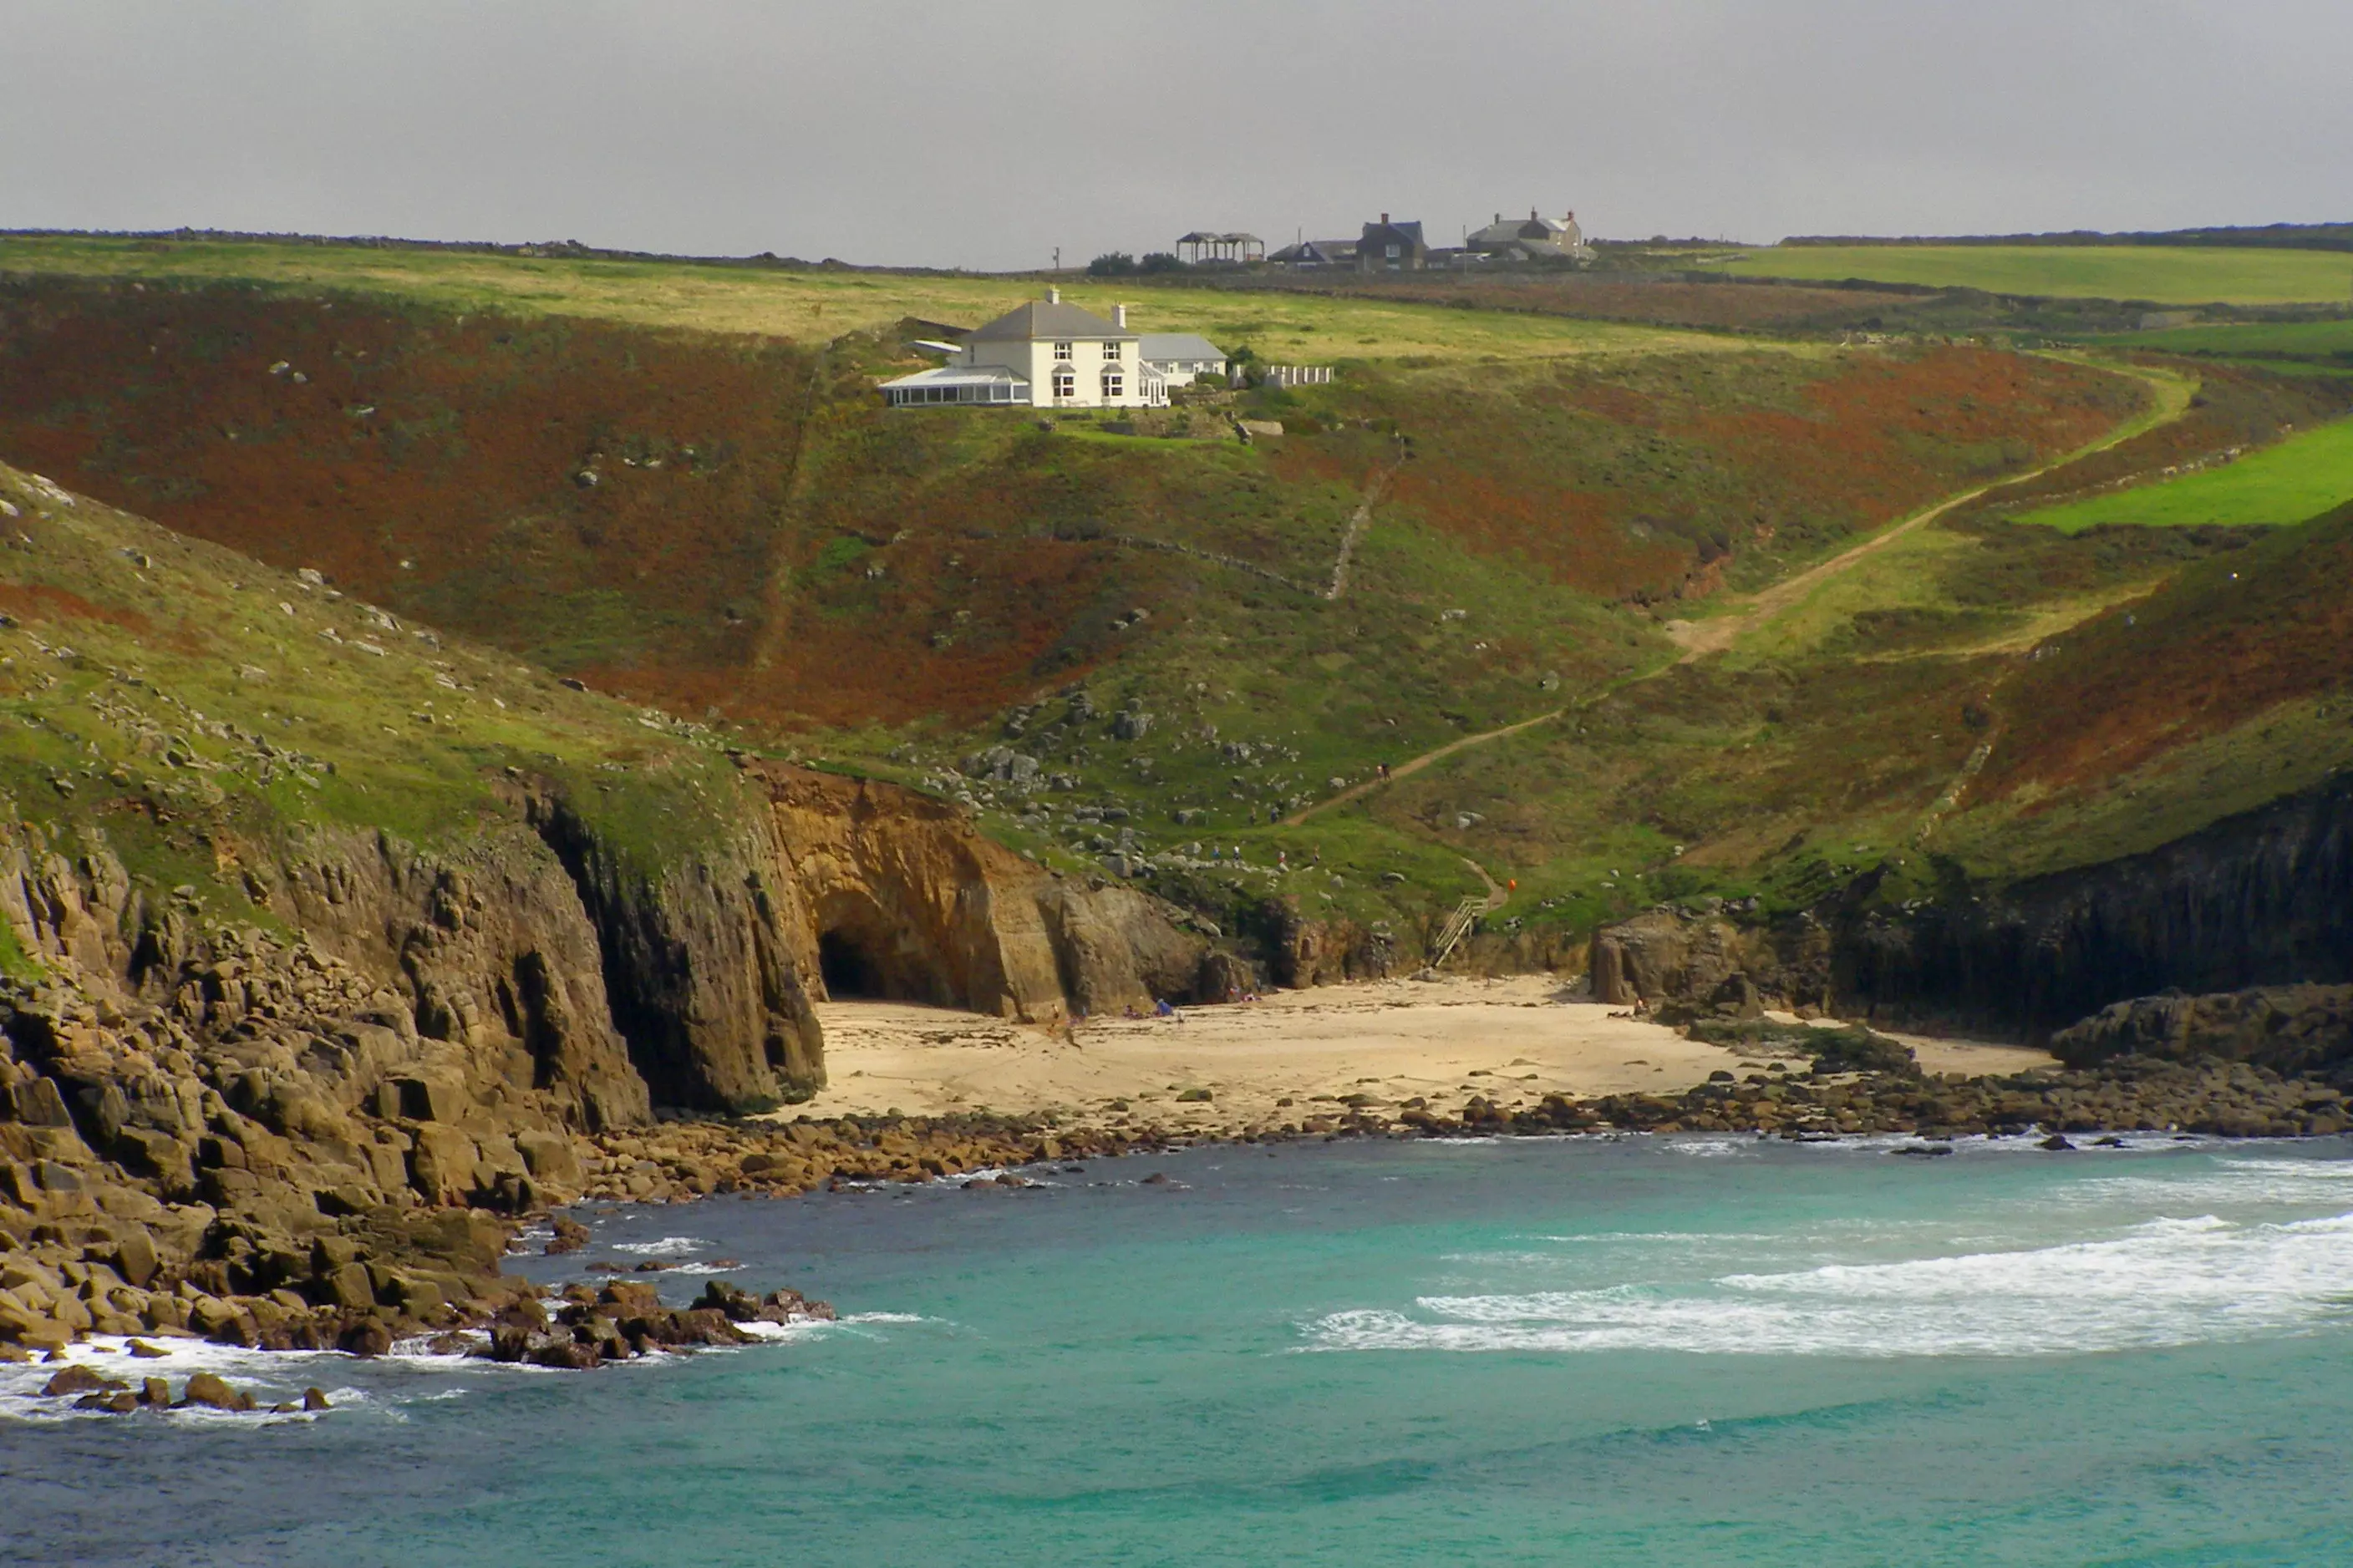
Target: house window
pixel 1393 253
pixel 1113 382
pixel 1066 383
pixel 1112 351
pixel 1062 351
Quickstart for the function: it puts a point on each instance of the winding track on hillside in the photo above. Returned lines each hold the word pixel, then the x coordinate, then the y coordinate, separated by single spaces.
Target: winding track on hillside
pixel 1361 520
pixel 1700 638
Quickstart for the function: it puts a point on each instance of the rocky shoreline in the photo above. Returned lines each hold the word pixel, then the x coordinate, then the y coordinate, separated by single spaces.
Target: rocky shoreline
pixel 64 1282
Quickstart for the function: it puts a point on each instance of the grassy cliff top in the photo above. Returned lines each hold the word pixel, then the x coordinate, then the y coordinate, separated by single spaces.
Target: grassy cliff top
pixel 188 700
pixel 2165 275
pixel 817 305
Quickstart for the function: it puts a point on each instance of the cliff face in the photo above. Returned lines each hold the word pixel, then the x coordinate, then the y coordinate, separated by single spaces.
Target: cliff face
pixel 699 964
pixel 2265 898
pixel 2301 1031
pixel 891 893
pixel 2262 899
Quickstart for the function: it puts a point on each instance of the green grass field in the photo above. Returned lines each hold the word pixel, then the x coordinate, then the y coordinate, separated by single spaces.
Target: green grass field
pixel 2299 478
pixel 2318 343
pixel 818 305
pixel 2159 274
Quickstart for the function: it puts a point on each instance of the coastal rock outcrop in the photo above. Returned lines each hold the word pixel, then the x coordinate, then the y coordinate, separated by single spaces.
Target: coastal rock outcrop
pixel 893 894
pixel 2262 900
pixel 699 962
pixel 2304 1031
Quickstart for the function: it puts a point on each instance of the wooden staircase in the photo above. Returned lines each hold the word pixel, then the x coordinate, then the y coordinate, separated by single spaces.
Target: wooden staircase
pixel 1457 926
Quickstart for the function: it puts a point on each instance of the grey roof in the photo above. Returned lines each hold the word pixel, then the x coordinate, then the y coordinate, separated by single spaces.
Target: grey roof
pixel 1329 249
pixel 1047 319
pixel 1179 345
pixel 961 375
pixel 1506 231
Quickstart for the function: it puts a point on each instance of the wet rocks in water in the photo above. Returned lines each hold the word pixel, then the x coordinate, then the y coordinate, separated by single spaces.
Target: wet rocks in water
pixel 571 1235
pixel 209 1389
pixel 74 1379
pixel 624 1319
pixel 2129 1094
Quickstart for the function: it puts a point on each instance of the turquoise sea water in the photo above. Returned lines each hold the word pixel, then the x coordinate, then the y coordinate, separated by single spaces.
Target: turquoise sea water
pixel 1677 1351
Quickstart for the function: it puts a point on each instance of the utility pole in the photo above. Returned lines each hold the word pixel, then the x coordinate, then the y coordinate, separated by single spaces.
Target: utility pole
pixel 1058 258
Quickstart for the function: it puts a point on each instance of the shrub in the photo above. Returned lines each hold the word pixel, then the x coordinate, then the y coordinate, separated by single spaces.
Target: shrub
pixel 1111 264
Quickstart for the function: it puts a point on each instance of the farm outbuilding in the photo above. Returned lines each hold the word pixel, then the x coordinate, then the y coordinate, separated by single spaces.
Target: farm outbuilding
pixel 1205 245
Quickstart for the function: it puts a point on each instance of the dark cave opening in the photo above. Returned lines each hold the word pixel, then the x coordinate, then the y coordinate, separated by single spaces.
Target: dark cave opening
pixel 848 970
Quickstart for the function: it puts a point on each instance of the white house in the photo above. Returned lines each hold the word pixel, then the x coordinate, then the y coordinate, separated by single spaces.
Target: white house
pixel 1046 354
pixel 1181 356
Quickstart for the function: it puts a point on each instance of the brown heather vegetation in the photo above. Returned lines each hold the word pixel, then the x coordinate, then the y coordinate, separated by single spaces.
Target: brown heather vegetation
pixel 2221 643
pixel 1661 302
pixel 1634 484
pixel 734 523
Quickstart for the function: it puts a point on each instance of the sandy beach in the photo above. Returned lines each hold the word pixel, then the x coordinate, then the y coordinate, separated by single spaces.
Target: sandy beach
pixel 1293 1055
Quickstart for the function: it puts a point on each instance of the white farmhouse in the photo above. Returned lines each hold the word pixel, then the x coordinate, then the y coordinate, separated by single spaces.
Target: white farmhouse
pixel 1181 356
pixel 1046 354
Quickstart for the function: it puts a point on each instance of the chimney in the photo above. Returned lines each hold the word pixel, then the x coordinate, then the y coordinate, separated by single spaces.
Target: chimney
pixel 1053 296
pixel 1385 218
pixel 1119 317
pixel 1532 215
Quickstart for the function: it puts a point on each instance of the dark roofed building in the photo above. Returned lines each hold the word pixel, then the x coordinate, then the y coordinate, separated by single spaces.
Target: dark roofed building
pixel 1386 247
pixel 1317 253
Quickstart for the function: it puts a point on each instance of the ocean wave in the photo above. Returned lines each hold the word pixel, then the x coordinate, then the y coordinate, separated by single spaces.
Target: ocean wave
pixel 2166 1282
pixel 668 1246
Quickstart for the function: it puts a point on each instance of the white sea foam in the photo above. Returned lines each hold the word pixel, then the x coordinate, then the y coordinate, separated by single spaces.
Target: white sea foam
pixel 668 1246
pixel 2166 1282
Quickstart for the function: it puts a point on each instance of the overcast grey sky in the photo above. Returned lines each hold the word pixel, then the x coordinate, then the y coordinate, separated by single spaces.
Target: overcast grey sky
pixel 965 133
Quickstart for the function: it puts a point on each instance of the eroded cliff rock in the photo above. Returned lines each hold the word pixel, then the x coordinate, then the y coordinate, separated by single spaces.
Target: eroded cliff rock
pixel 2304 1031
pixel 892 894
pixel 698 962
pixel 2264 898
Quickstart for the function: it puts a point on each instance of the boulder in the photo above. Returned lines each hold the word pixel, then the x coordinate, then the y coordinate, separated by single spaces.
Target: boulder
pixel 365 1337
pixel 74 1379
pixel 134 1256
pixel 207 1389
pixel 549 1157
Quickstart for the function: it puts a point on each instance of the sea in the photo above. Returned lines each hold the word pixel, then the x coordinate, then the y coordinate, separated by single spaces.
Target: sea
pixel 1685 1349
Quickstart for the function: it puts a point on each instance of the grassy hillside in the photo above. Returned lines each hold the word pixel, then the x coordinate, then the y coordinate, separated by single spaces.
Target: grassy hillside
pixel 561 459
pixel 807 305
pixel 2322 345
pixel 733 526
pixel 191 701
pixel 2310 473
pixel 2157 274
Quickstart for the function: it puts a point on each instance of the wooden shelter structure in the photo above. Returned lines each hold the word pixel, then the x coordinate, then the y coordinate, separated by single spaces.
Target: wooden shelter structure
pixel 1202 245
